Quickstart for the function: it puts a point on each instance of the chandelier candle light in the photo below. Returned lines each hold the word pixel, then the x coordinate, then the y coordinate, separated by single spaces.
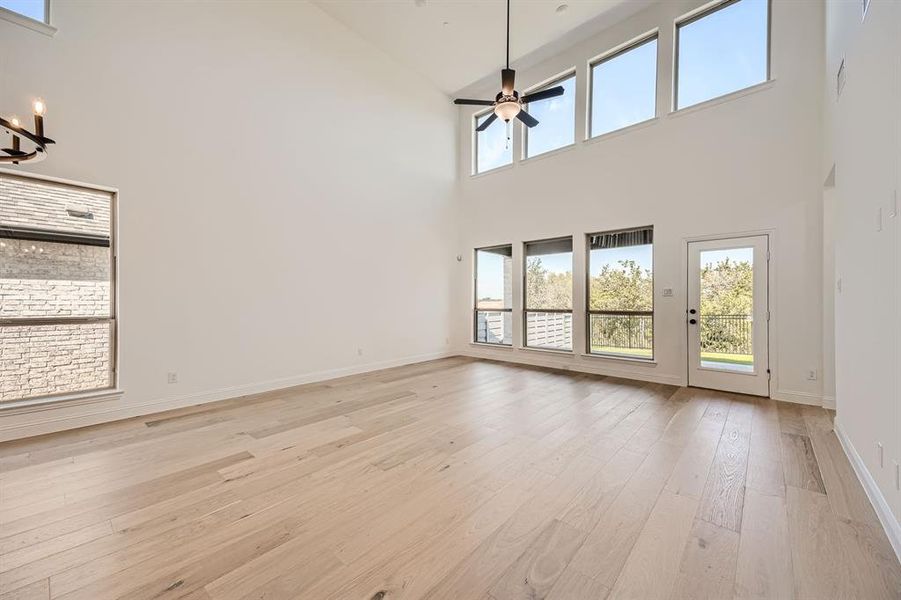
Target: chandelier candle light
pixel 37 142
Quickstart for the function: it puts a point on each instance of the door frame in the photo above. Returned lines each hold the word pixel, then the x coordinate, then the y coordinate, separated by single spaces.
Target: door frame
pixel 772 328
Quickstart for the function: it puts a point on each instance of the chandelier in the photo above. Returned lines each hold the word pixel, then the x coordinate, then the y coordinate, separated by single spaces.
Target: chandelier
pixel 35 144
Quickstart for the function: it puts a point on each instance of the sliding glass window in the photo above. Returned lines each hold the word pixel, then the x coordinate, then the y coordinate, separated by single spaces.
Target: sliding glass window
pixel 621 293
pixel 548 316
pixel 492 316
pixel 722 50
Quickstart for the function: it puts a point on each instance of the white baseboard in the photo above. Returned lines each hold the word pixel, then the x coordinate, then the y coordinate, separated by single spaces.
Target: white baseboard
pixel 60 417
pixel 880 504
pixel 798 397
pixel 640 371
pixel 829 402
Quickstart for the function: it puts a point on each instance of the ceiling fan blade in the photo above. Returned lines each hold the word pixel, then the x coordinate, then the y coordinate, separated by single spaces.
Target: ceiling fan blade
pixel 543 94
pixel 474 102
pixel 508 79
pixel 526 118
pixel 487 122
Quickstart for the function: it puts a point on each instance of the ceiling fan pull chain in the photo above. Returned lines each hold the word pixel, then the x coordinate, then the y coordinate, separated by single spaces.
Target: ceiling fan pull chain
pixel 509 132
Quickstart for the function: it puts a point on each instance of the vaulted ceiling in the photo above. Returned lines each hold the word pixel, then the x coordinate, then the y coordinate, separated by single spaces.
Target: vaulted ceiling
pixel 455 43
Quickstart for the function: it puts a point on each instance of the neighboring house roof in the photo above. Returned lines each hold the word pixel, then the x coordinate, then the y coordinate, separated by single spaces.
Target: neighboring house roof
pixel 44 207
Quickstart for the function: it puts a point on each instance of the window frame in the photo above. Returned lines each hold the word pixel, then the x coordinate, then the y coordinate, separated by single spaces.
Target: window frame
pixel 43 26
pixel 23 233
pixel 610 55
pixel 548 83
pixel 525 295
pixel 705 11
pixel 475 296
pixel 475 144
pixel 589 311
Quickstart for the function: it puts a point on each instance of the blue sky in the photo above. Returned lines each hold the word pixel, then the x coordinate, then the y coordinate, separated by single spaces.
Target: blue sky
pixel 29 8
pixel 624 89
pixel 555 120
pixel 720 53
pixel 710 258
pixel 643 255
pixel 723 52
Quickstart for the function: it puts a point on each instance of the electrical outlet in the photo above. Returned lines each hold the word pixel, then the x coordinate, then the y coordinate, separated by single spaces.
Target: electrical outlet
pixel 880 451
pixel 878 218
pixel 172 377
pixel 667 292
pixel 359 352
pixel 812 375
pixel 838 285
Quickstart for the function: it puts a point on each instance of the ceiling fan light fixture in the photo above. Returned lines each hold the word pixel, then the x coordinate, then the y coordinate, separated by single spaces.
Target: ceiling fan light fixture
pixel 507 110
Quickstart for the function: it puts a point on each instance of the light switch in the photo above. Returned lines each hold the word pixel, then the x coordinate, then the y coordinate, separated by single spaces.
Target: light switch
pixel 878 218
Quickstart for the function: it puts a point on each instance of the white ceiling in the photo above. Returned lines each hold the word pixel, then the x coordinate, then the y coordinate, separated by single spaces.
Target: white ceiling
pixel 456 43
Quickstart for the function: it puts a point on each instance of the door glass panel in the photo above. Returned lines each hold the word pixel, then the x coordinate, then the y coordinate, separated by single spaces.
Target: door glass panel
pixel 727 309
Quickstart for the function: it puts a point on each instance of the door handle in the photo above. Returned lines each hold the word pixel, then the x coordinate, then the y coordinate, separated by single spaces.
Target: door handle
pixel 693 321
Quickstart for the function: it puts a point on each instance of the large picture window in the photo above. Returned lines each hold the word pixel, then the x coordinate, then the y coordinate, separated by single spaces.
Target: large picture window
pixel 493 295
pixel 624 87
pixel 549 294
pixel 57 289
pixel 621 293
pixel 722 50
pixel 556 118
pixel 492 148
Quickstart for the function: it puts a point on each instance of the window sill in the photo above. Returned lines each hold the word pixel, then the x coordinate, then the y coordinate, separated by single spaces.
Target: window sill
pixel 548 351
pixel 490 171
pixel 27 22
pixel 487 345
pixel 548 154
pixel 759 87
pixel 40 404
pixel 622 130
pixel 638 361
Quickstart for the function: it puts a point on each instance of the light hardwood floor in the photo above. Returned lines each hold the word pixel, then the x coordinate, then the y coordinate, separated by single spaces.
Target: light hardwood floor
pixel 451 479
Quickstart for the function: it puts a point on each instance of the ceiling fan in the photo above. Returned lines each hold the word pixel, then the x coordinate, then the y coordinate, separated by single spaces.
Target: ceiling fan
pixel 508 104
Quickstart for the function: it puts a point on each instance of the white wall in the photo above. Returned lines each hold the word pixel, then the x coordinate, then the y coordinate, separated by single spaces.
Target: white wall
pixel 863 129
pixel 750 163
pixel 285 192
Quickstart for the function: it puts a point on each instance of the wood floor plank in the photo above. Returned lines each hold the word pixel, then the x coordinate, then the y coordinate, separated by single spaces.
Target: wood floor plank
pixel 800 464
pixel 457 478
pixel 723 497
pixel 652 567
pixel 764 569
pixel 707 569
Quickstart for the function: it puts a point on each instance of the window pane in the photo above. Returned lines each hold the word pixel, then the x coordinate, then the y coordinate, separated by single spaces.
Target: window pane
pixel 553 331
pixel 46 279
pixel 494 327
pixel 549 275
pixel 727 309
pixel 624 89
pixel 494 278
pixel 55 267
pixel 493 150
pixel 722 52
pixel 557 120
pixel 621 290
pixel 33 9
pixel 39 360
pixel 621 278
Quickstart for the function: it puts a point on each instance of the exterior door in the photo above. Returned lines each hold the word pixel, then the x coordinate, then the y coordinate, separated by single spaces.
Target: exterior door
pixel 728 314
